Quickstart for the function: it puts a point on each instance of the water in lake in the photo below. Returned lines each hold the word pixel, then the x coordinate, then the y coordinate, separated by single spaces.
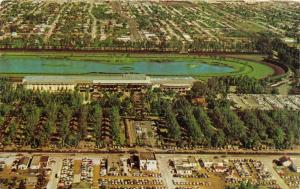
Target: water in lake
pixel 10 64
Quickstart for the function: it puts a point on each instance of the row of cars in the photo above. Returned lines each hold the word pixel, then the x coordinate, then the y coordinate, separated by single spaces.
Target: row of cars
pixel 130 181
pixel 250 170
pixel 248 167
pixel 279 101
pixel 86 170
pixel 138 187
pixel 292 181
pixel 269 183
pixel 67 173
pixel 146 174
pixel 196 183
pixel 265 101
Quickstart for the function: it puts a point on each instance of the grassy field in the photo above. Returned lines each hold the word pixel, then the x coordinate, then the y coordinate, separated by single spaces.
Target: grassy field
pixel 242 64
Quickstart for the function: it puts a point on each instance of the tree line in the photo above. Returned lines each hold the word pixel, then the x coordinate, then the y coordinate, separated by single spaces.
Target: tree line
pixel 287 55
pixel 37 118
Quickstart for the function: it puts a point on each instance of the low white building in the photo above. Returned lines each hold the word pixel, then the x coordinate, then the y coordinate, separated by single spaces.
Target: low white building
pixel 190 162
pixel 32 180
pixel 35 162
pixel 185 166
pixel 49 83
pixel 285 161
pixel 206 163
pixel 295 168
pixel 180 170
pixel 147 161
pixel 117 82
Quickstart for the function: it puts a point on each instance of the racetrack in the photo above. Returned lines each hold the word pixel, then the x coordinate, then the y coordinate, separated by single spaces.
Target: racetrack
pixel 152 64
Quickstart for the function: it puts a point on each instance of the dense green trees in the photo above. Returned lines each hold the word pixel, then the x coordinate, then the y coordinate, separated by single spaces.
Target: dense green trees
pixel 96 118
pixel 286 54
pixel 205 123
pixel 4 110
pixel 229 122
pixel 256 129
pixel 83 115
pixel 287 131
pixel 172 124
pixel 42 118
pixel 63 127
pixel 187 119
pixel 114 116
pixel 278 128
pixel 221 85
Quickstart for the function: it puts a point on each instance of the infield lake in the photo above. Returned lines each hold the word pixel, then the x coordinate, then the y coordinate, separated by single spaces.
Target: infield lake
pixel 37 65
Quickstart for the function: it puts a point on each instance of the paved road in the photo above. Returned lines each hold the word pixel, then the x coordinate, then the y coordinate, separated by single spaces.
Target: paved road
pixel 56 167
pixel 53 25
pixel 165 171
pixel 94 22
pixel 268 163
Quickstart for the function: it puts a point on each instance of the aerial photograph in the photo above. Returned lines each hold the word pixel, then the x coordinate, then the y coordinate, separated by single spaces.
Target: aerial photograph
pixel 149 94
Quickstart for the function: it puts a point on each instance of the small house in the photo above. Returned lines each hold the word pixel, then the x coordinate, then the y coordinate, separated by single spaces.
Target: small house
pixel 35 163
pixel 285 161
pixel 23 163
pixel 206 163
pixel 295 168
pixel 147 161
pixel 2 165
pixel 113 165
pixel 32 180
pixel 44 161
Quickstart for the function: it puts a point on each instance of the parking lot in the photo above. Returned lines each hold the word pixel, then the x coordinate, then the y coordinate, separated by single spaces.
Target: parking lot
pixel 174 171
pixel 220 171
pixel 265 101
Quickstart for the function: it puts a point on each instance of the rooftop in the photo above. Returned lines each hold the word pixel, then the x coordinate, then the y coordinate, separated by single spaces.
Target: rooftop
pixel 35 161
pixel 109 79
pixel 113 162
pixel 147 156
pixel 172 80
pixel 44 159
pixel 32 179
pixel 121 78
pixel 24 161
pixel 185 161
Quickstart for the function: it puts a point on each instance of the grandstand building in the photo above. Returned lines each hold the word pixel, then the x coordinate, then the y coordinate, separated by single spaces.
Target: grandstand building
pixel 110 83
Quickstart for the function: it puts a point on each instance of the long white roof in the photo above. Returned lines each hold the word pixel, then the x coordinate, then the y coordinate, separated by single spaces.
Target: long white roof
pixel 108 79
